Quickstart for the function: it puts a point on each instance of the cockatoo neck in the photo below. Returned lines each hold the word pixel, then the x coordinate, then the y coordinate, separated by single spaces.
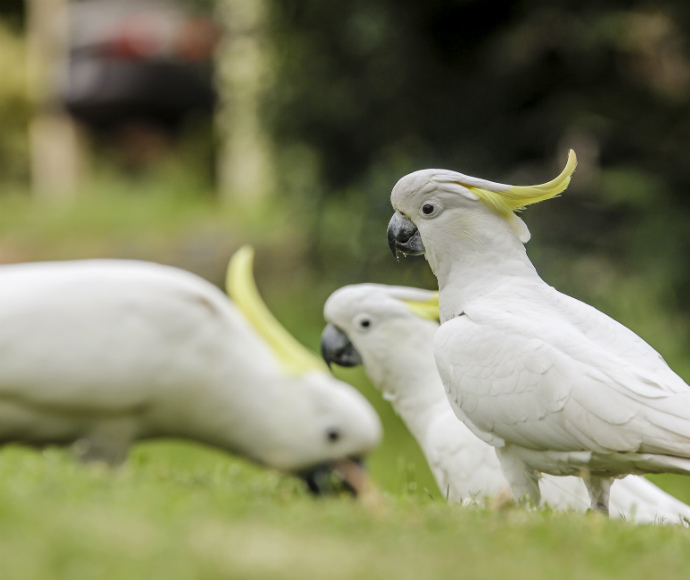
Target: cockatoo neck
pixel 404 379
pixel 421 409
pixel 472 264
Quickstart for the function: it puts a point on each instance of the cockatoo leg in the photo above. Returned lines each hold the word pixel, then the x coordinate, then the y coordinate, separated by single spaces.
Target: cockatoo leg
pixel 523 480
pixel 599 489
pixel 108 441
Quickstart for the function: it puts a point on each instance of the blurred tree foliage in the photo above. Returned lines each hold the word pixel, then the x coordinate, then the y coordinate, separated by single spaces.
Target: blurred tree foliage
pixel 13 12
pixel 368 90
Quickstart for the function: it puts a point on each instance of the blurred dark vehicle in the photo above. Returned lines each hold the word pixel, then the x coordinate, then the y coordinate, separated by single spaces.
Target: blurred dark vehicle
pixel 138 64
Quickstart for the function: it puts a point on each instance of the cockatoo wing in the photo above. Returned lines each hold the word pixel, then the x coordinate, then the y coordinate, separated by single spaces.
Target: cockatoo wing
pixel 534 379
pixel 609 334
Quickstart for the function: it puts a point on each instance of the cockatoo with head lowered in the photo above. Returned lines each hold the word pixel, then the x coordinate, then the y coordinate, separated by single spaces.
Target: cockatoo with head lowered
pixel 107 352
pixel 390 331
pixel 555 385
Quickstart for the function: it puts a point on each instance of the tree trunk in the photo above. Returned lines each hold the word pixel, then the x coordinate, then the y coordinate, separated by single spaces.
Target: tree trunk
pixel 57 147
pixel 244 163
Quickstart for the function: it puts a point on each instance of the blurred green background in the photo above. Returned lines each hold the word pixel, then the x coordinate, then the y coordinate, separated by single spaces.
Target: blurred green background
pixel 333 102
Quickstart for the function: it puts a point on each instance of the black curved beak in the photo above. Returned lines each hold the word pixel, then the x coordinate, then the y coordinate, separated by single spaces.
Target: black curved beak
pixel 404 237
pixel 337 348
pixel 345 475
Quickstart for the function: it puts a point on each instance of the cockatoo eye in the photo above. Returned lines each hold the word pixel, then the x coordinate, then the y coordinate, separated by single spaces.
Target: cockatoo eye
pixel 430 209
pixel 333 435
pixel 363 322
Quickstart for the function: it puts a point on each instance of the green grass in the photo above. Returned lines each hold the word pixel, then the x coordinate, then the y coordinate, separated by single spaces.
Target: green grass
pixel 181 511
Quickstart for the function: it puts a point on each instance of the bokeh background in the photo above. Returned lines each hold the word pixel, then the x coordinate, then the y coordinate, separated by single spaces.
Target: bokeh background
pixel 175 132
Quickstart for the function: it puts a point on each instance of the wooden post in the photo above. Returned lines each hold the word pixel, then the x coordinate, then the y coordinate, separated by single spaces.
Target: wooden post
pixel 244 164
pixel 57 149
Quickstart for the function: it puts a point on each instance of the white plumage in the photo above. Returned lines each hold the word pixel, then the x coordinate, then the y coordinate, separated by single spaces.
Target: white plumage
pixel 555 385
pixel 107 352
pixel 395 346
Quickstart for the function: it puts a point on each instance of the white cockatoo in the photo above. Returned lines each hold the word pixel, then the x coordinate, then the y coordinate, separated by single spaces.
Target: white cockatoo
pixel 555 385
pixel 390 331
pixel 107 352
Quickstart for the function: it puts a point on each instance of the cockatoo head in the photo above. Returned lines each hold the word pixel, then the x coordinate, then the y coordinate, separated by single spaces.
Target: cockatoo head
pixel 432 204
pixel 368 323
pixel 318 424
pixel 329 427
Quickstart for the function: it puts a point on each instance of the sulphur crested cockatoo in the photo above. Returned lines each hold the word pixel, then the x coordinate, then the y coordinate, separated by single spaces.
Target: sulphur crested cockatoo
pixel 555 385
pixel 107 352
pixel 390 331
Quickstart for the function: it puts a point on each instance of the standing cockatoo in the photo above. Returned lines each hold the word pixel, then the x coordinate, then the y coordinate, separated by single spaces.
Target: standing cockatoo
pixel 555 385
pixel 390 331
pixel 107 352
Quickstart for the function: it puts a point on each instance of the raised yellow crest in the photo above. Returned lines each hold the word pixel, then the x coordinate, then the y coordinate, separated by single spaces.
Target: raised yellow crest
pixel 239 283
pixel 517 197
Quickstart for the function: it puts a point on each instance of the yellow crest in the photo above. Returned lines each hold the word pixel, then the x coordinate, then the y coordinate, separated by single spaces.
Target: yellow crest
pixel 518 197
pixel 427 309
pixel 239 282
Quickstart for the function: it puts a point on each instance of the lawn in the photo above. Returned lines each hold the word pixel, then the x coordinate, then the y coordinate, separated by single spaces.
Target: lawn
pixel 178 510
